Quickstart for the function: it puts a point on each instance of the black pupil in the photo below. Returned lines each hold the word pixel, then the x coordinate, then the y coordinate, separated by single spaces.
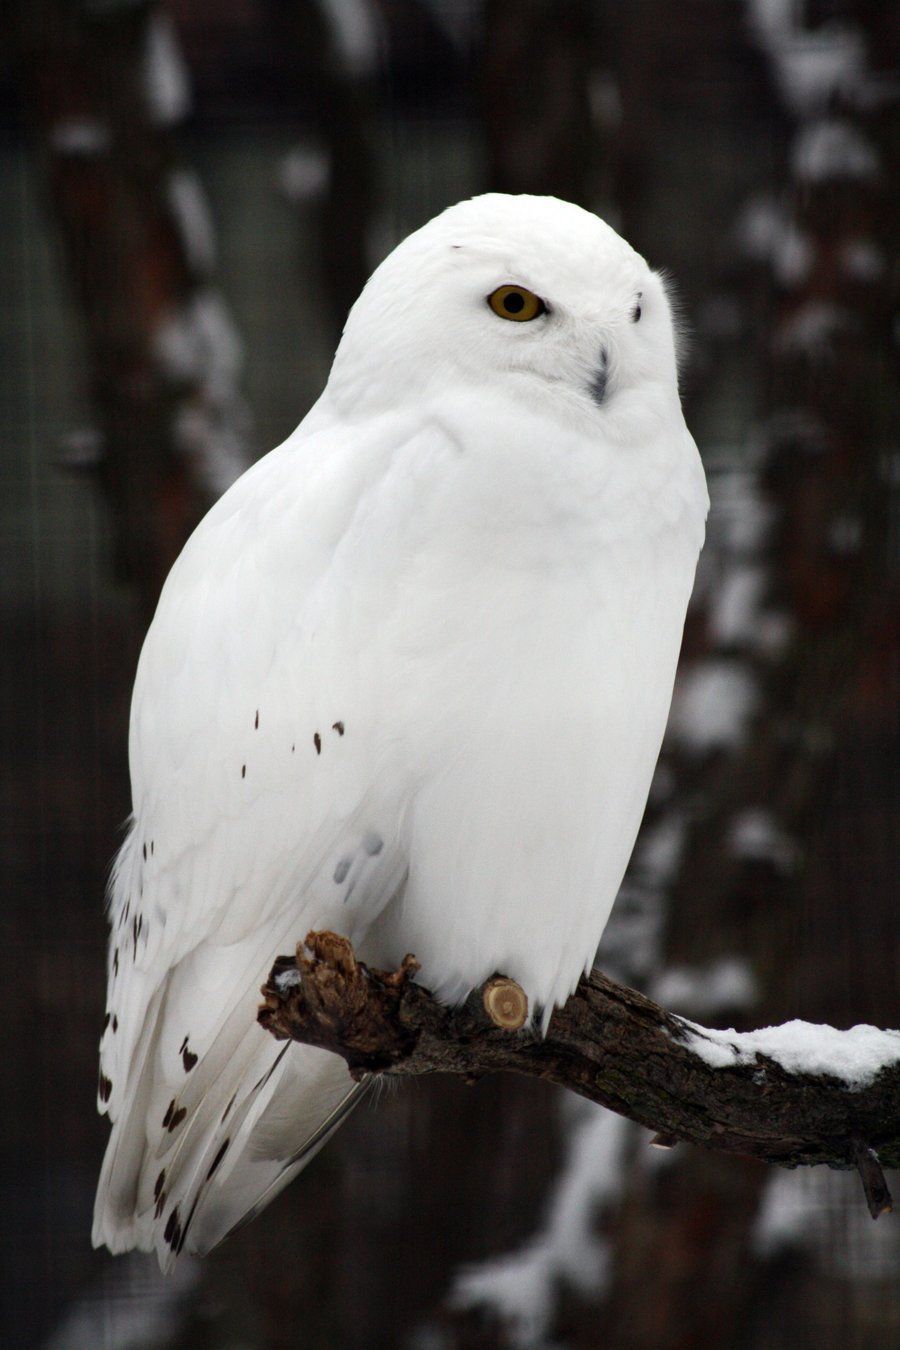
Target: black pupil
pixel 514 303
pixel 636 314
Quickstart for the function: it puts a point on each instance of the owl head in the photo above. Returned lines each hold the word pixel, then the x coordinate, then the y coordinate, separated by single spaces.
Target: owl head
pixel 529 296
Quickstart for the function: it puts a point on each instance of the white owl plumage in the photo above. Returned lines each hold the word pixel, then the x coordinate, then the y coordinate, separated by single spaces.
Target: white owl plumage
pixel 408 680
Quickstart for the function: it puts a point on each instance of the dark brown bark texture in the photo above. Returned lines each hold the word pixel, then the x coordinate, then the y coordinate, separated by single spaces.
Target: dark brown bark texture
pixel 169 436
pixel 608 1043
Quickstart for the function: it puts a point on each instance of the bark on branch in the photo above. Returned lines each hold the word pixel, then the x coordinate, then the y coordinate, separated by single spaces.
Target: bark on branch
pixel 608 1043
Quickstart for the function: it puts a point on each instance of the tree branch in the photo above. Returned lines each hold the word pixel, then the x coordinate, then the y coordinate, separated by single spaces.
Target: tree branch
pixel 609 1044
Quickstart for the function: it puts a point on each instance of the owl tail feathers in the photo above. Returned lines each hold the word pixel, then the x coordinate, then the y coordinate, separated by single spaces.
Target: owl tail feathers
pixel 310 1094
pixel 227 1165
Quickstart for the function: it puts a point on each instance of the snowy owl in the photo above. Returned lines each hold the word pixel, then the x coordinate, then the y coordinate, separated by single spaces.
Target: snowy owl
pixel 408 681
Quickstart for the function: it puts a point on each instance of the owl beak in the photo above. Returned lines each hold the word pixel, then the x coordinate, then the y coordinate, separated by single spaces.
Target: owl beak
pixel 599 382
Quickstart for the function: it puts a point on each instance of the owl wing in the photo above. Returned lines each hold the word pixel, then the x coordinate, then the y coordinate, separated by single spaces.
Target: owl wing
pixel 266 802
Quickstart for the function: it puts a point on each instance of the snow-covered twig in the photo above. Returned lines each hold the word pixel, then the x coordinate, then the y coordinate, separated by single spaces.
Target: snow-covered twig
pixel 792 1095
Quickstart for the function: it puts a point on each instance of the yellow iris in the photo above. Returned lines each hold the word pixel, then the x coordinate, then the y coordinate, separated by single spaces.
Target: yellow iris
pixel 514 302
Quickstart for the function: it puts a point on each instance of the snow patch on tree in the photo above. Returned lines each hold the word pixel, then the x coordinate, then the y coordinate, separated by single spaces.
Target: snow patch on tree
pixel 855 1056
pixel 713 706
pixel 520 1289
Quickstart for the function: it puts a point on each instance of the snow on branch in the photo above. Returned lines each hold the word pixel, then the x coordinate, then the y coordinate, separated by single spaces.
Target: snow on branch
pixel 797 1094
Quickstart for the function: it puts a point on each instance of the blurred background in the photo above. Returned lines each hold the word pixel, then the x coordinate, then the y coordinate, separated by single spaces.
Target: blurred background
pixel 192 195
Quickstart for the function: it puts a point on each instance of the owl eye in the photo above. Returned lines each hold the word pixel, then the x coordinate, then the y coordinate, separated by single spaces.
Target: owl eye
pixel 636 311
pixel 514 302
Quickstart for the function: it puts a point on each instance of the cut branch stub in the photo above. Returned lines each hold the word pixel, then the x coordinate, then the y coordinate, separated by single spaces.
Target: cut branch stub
pixel 875 1187
pixel 505 1003
pixel 663 1141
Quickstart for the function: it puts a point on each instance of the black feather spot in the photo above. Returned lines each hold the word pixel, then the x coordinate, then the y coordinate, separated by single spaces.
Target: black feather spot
pixel 106 1021
pixel 373 843
pixel 104 1087
pixel 188 1059
pixel 152 846
pixel 217 1159
pixel 116 961
pixel 160 1182
pixel 256 721
pixel 293 748
pixel 338 727
pixel 144 850
pixel 243 770
pixel 317 742
pixel 160 1204
pixel 172 1231
pixel 115 1024
pixel 170 1111
pixel 340 872
pixel 177 1118
pixel 227 1109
